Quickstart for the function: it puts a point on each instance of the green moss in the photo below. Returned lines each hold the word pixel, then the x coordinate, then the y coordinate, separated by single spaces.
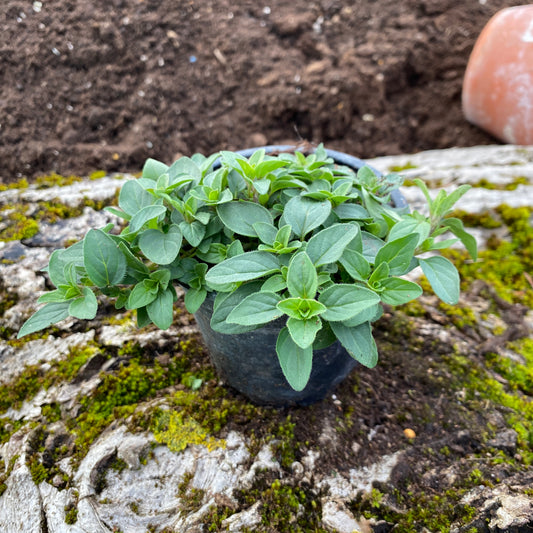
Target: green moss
pixel 400 168
pixel 178 432
pixel 55 180
pixel 6 472
pixel 285 445
pixel 285 508
pixel 517 408
pixel 33 378
pixel 460 315
pixel 97 174
pixel 510 186
pixel 52 412
pixel 38 471
pixel 7 300
pixel 488 219
pixel 19 226
pixel 20 184
pixel 71 514
pixel 413 308
pixel 138 378
pixel 216 515
pixel 433 512
pixel 505 265
pixel 8 427
pixel 191 498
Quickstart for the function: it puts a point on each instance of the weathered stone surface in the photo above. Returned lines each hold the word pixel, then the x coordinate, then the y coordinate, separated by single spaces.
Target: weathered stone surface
pixel 498 165
pixel 21 505
pixel 337 518
pixel 72 195
pixel 503 508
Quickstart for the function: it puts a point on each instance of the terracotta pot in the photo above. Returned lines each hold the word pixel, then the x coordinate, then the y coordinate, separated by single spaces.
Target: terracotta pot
pixel 498 84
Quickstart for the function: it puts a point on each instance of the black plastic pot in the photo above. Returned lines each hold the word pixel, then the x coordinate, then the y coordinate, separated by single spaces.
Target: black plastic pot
pixel 248 361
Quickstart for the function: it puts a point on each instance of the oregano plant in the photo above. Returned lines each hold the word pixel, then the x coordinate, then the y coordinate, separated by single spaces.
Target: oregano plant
pixel 288 237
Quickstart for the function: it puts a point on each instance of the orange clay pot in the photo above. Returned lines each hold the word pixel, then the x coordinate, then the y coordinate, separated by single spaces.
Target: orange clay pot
pixel 498 83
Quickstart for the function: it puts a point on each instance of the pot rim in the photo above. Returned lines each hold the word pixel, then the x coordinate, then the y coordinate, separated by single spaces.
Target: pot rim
pixel 343 158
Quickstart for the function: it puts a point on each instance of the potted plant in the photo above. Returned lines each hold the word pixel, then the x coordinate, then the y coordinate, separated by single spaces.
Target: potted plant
pixel 294 254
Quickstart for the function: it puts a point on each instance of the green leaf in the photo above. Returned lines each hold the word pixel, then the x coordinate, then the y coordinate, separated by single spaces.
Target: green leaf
pixel 449 200
pixel 244 267
pixel 328 245
pixel 398 254
pixel 302 279
pixel 104 262
pixel 50 314
pixel 84 307
pixel 350 211
pixel 456 227
pixel 274 283
pixel 262 186
pixel 60 261
pixel 255 309
pixel 356 265
pixel 224 304
pixel 235 248
pixel 161 309
pixel 358 341
pixel 423 187
pixel 305 214
pixel 381 272
pixel 162 277
pixel 161 248
pixel 240 216
pixel 295 362
pixel 324 338
pixel 303 332
pixel 117 212
pixel 344 301
pixel 368 315
pixel 398 291
pixel 283 235
pixel 146 214
pixel 264 168
pixel 408 226
pixel 215 254
pixel 371 246
pixel 152 169
pixel 135 268
pixel 143 293
pixel 133 198
pixel 266 232
pixel 443 278
pixel 193 232
pixel 301 308
pixel 194 298
pixel 59 295
pixel 184 166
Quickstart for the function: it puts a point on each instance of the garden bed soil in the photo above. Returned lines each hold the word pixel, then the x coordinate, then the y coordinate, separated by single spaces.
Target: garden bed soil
pixel 104 85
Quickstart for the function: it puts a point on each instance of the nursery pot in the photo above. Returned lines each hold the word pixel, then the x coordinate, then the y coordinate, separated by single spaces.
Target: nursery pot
pixel 248 361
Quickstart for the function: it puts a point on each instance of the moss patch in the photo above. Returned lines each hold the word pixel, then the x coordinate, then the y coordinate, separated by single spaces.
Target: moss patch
pixel 506 264
pixel 178 432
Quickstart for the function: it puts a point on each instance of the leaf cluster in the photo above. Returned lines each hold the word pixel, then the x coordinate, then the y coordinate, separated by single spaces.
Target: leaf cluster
pixel 291 237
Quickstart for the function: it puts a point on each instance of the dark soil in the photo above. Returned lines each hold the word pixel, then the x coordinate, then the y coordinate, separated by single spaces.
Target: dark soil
pixel 105 84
